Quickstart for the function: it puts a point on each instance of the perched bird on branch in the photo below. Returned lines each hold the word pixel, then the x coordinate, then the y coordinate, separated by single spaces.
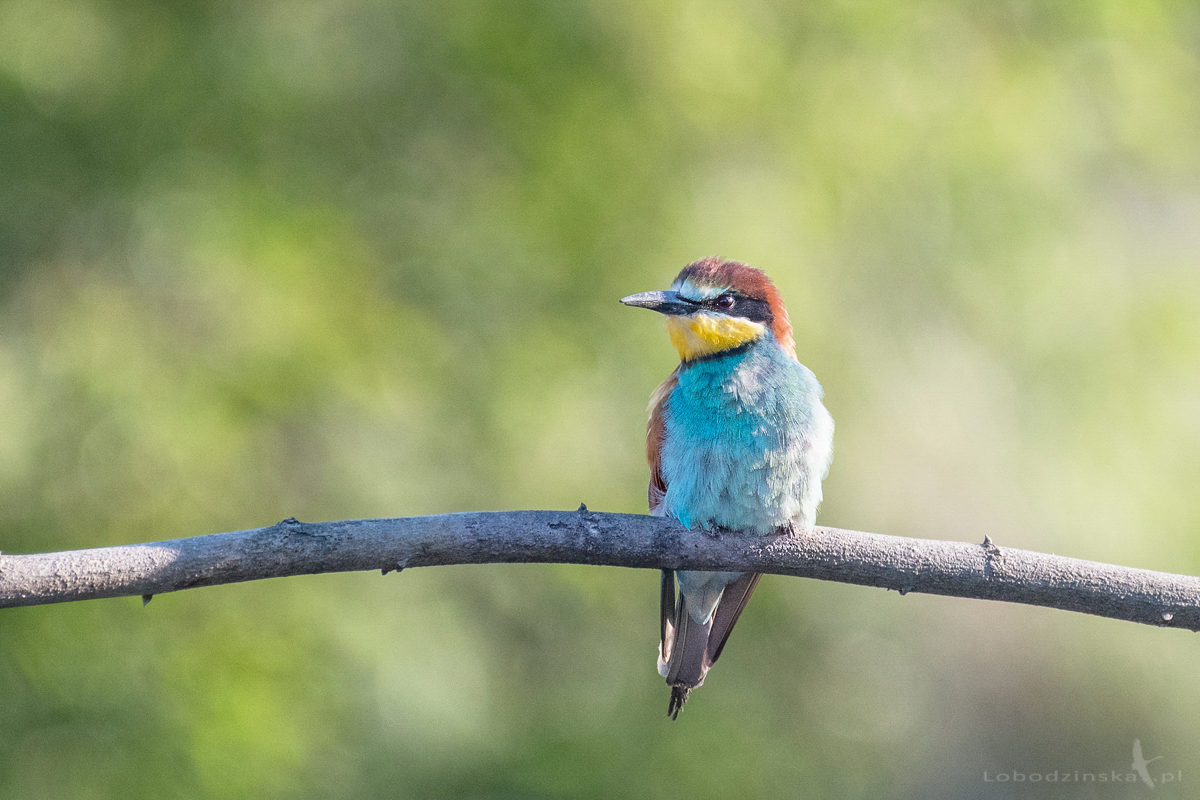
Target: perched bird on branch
pixel 738 442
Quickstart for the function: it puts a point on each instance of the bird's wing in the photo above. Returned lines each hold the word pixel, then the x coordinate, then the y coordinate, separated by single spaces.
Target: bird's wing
pixel 666 619
pixel 655 430
pixel 733 600
pixel 657 494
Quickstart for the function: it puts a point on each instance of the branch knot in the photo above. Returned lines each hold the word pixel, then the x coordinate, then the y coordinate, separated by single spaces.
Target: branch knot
pixel 991 554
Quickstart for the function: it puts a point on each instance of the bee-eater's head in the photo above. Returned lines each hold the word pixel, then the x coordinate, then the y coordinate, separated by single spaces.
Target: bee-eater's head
pixel 714 306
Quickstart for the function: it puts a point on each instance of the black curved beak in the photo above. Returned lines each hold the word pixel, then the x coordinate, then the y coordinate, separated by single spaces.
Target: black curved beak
pixel 667 302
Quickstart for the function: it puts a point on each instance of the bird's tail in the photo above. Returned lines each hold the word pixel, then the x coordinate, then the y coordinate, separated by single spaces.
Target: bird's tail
pixel 687 657
pixel 678 698
pixel 689 648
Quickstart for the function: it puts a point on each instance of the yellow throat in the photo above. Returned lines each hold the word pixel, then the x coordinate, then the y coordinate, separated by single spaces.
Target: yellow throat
pixel 702 334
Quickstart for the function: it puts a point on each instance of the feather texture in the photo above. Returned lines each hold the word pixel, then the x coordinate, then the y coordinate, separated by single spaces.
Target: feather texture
pixel 738 441
pixel 655 431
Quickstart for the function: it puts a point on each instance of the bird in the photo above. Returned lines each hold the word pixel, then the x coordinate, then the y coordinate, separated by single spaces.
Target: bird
pixel 738 442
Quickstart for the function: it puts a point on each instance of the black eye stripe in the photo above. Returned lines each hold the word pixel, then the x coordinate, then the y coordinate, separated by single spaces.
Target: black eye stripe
pixel 755 310
pixel 750 308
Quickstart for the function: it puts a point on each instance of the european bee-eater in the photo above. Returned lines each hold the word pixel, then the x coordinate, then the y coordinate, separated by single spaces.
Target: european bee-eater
pixel 738 442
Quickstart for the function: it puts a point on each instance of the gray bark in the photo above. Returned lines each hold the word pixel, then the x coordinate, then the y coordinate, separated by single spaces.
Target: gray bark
pixel 983 571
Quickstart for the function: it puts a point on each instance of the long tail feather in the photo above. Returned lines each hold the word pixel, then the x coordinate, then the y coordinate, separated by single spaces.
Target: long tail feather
pixel 687 662
pixel 689 648
pixel 679 696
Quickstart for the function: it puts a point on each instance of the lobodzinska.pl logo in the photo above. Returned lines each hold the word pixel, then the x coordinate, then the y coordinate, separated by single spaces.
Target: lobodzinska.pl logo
pixel 1138 772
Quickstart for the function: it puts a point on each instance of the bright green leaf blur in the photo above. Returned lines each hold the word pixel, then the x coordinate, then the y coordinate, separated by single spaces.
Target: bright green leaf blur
pixel 354 259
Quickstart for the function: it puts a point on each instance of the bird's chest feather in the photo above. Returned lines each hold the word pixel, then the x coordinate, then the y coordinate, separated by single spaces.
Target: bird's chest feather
pixel 746 443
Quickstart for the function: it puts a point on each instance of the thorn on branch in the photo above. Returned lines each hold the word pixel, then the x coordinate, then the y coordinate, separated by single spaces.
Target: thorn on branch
pixel 582 509
pixel 990 554
pixel 146 598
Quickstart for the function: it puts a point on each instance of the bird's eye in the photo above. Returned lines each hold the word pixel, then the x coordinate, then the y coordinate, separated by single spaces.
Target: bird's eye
pixel 725 302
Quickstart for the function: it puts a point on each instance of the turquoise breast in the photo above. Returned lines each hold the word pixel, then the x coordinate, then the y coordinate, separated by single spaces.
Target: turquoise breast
pixel 746 442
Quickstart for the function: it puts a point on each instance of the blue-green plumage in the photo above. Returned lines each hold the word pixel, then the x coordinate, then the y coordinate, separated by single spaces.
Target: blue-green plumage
pixel 738 442
pixel 746 443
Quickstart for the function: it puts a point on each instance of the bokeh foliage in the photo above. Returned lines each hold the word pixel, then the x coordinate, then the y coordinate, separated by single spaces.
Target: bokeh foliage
pixel 339 259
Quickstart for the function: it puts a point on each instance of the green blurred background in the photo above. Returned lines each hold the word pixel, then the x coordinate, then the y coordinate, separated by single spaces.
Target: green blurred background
pixel 354 259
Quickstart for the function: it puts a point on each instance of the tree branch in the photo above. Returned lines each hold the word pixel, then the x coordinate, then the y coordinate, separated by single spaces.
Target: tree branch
pixel 983 571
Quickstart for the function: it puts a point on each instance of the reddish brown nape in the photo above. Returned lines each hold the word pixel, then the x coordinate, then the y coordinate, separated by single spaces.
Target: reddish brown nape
pixel 750 282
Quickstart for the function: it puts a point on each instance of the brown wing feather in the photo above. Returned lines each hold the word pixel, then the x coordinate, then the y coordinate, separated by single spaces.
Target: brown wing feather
pixel 657 493
pixel 666 619
pixel 655 431
pixel 733 600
